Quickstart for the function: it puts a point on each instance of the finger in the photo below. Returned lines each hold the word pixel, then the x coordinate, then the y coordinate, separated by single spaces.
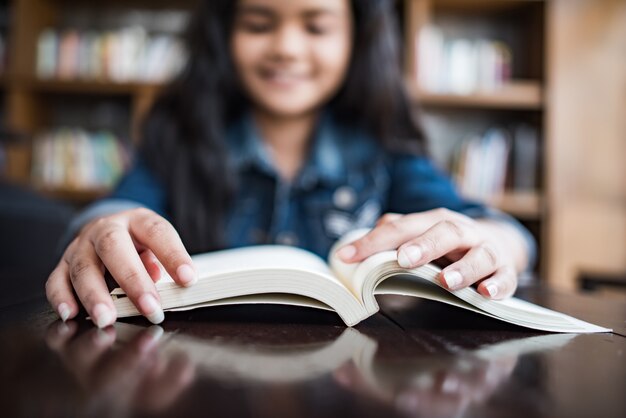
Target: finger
pixel 159 235
pixel 479 262
pixel 441 239
pixel 388 236
pixel 59 292
pixel 501 285
pixel 87 276
pixel 152 265
pixel 115 247
pixel 388 217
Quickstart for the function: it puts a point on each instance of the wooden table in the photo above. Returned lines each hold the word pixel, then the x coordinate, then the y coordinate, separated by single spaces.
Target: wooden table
pixel 414 358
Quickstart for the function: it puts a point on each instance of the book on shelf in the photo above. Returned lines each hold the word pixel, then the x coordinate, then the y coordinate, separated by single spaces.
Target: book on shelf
pixel 293 276
pixel 525 158
pixel 74 159
pixel 486 167
pixel 481 166
pixel 461 65
pixel 128 54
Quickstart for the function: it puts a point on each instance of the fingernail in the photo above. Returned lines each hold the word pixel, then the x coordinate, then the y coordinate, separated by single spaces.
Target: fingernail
pixel 453 279
pixel 492 289
pixel 186 274
pixel 151 308
pixel 64 311
pixel 347 252
pixel 102 315
pixel 409 256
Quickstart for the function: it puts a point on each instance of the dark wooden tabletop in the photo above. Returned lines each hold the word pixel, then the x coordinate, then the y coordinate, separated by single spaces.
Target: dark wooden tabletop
pixel 414 358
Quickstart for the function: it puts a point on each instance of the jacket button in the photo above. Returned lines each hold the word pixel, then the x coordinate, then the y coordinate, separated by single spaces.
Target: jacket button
pixel 344 197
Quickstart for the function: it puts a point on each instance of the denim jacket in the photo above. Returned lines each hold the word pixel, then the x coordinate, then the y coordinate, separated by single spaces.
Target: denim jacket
pixel 348 181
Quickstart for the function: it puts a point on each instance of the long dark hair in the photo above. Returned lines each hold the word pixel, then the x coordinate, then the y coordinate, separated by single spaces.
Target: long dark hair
pixel 183 135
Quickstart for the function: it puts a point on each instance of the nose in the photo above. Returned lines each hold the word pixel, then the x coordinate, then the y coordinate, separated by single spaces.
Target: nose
pixel 288 43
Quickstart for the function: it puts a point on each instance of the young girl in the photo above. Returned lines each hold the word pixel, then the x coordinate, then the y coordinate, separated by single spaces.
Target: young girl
pixel 289 125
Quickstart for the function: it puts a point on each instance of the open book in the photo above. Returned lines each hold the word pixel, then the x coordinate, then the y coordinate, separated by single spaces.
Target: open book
pixel 293 276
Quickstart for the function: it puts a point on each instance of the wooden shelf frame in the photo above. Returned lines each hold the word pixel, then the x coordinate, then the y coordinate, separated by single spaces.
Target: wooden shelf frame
pixel 88 87
pixel 481 6
pixel 517 95
pixel 525 205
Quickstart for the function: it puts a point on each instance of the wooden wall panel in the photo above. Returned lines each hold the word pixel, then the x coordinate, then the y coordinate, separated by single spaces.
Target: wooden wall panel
pixel 586 127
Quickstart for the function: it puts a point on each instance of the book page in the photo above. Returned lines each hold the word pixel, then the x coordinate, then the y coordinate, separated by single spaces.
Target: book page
pixel 262 298
pixel 255 258
pixel 261 256
pixel 272 273
pixel 367 278
pixel 411 282
pixel 343 271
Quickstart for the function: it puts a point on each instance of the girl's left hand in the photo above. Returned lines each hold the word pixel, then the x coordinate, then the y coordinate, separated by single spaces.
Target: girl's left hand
pixel 473 247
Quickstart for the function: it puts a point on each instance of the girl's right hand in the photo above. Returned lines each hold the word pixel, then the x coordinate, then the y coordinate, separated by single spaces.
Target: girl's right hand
pixel 132 245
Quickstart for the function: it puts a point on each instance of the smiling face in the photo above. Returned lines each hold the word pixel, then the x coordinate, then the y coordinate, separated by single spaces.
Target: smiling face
pixel 292 55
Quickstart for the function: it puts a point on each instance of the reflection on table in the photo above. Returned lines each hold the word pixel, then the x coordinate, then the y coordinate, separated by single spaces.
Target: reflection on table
pixel 136 369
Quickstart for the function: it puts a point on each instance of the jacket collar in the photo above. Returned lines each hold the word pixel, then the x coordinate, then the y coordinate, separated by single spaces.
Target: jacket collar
pixel 325 161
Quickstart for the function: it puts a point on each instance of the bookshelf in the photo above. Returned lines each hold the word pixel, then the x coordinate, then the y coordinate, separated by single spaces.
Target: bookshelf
pixel 35 104
pixel 30 98
pixel 525 205
pixel 542 42
pixel 456 109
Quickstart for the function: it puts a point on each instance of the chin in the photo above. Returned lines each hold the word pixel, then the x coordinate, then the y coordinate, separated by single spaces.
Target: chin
pixel 290 109
pixel 289 102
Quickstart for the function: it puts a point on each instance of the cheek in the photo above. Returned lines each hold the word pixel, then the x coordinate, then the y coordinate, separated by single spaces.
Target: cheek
pixel 333 58
pixel 246 52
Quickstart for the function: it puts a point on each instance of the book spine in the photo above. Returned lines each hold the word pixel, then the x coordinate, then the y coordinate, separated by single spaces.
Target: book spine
pixel 77 160
pixel 453 64
pixel 124 55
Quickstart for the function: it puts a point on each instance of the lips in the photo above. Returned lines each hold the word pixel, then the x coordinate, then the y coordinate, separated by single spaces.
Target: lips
pixel 282 78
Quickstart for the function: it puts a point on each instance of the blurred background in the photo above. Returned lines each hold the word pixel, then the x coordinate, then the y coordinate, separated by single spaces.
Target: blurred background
pixel 524 103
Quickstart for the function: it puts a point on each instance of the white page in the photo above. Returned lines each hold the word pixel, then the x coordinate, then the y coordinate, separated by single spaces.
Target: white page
pixel 263 298
pixel 345 272
pixel 511 310
pixel 258 270
pixel 254 258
